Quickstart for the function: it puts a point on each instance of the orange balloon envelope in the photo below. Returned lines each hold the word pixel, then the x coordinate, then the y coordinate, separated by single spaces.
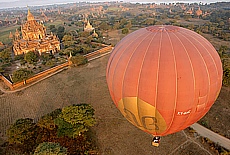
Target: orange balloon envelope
pixel 164 78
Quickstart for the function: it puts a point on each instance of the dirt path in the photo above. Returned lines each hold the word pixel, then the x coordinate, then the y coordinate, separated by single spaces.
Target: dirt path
pixel 222 141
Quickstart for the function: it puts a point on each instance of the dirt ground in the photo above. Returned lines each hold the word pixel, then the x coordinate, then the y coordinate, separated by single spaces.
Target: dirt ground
pixel 217 119
pixel 87 84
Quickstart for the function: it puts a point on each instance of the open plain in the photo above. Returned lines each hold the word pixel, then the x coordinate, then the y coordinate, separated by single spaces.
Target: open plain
pixel 87 84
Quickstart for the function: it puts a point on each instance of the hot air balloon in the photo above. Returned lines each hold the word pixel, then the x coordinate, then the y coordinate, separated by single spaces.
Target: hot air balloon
pixel 164 78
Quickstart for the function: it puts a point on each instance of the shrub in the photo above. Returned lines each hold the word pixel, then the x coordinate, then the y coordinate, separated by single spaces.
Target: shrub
pixel 79 60
pixel 50 63
pixel 125 31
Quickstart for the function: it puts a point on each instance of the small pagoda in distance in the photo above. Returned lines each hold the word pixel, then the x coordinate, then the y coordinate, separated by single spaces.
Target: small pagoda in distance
pixel 88 27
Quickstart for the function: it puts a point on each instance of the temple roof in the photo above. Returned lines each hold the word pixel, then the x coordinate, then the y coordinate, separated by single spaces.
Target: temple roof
pixel 30 16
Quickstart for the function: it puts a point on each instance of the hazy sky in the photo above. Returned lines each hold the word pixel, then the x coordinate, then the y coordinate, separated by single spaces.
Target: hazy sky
pixel 23 3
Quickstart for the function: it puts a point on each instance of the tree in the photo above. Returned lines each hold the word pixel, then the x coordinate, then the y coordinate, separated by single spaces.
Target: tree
pixel 125 31
pixel 49 148
pixel 79 60
pixel 64 128
pixel 47 121
pixel 222 51
pixel 50 63
pixel 31 57
pixel 5 55
pixel 20 75
pixel 221 24
pixel 123 22
pixel 84 34
pixel 19 57
pixel 128 25
pixel 68 40
pixel 104 26
pixel 60 32
pixel 75 119
pixel 47 56
pixel 53 28
pixel 149 21
pixel 187 17
pixel 61 29
pixel 2 70
pixel 116 26
pixel 226 76
pixel 89 39
pixel 21 131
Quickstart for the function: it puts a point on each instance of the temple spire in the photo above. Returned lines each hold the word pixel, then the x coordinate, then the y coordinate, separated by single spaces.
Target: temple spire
pixel 29 15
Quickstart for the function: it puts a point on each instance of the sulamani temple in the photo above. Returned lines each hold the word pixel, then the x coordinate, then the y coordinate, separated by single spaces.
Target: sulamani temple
pixel 34 38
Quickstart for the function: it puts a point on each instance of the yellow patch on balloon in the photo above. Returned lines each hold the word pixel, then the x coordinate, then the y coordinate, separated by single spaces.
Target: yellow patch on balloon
pixel 143 115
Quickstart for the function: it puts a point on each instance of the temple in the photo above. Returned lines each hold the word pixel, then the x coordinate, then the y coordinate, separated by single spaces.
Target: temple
pixel 34 38
pixel 88 27
pixel 199 12
pixel 94 34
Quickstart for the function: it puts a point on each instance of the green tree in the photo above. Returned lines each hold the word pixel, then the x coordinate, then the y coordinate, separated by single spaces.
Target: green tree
pixel 149 21
pixel 31 57
pixel 5 55
pixel 68 50
pixel 2 70
pixel 68 40
pixel 187 17
pixel 60 32
pixel 128 25
pixel 21 131
pixel 64 128
pixel 19 57
pixel 116 26
pixel 159 22
pixel 50 63
pixel 75 119
pixel 125 31
pixel 47 121
pixel 221 24
pixel 226 77
pixel 89 39
pixel 47 56
pixel 53 28
pixel 123 22
pixel 49 148
pixel 222 51
pixel 84 34
pixel 20 75
pixel 79 60
pixel 104 26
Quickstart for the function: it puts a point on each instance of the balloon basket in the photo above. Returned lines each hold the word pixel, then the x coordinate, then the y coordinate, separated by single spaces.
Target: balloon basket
pixel 155 144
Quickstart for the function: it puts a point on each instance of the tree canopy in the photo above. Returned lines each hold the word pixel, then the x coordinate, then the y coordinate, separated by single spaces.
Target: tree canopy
pixel 61 32
pixel 5 55
pixel 125 31
pixel 75 120
pixel 20 75
pixel 79 60
pixel 20 131
pixel 31 57
pixel 68 40
pixel 47 121
pixel 49 148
